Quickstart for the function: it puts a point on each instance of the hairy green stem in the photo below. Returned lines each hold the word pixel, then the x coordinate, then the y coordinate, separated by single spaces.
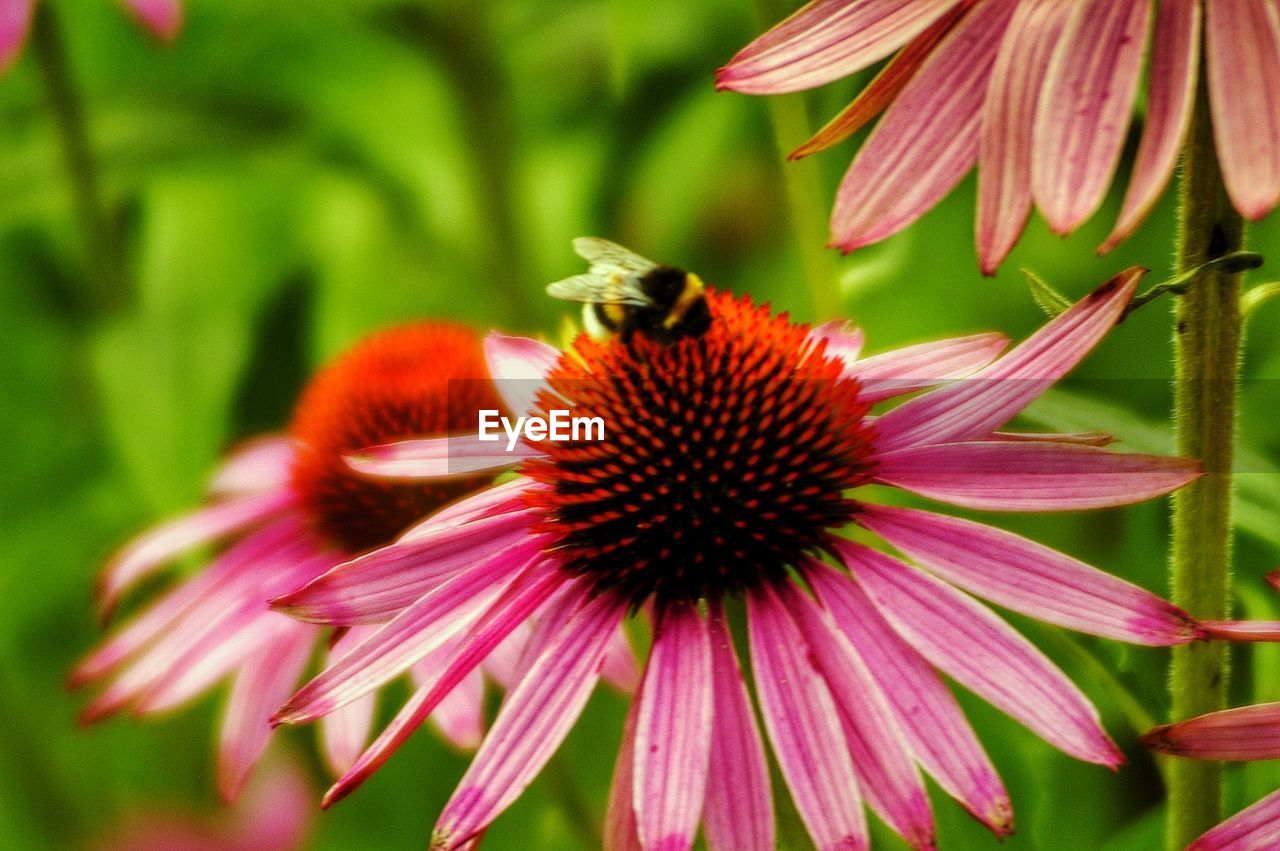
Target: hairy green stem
pixel 805 203
pixel 106 267
pixel 1206 361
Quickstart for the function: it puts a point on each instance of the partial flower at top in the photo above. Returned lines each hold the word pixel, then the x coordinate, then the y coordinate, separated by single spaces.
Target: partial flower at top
pixel 1240 735
pixel 290 509
pixel 1037 93
pixel 162 18
pixel 733 456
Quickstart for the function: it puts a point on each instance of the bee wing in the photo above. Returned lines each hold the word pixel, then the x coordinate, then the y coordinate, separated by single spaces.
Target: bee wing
pixel 594 288
pixel 608 257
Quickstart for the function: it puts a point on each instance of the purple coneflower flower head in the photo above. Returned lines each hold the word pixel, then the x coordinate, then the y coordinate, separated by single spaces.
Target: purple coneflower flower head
pixel 1038 94
pixel 1243 734
pixel 288 509
pixel 162 18
pixel 731 461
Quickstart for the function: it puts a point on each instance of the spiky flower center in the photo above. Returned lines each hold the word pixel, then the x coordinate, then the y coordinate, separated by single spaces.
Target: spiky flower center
pixel 725 458
pixel 421 380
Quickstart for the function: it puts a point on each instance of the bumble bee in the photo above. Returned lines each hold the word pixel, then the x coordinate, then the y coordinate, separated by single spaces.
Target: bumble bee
pixel 625 294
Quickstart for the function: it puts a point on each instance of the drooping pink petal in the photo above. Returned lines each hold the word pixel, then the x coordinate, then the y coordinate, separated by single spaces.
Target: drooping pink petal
pixel 803 724
pixel 263 681
pixel 1026 476
pixel 1242 630
pixel 436 617
pixel 382 583
pixel 1031 578
pixel 973 408
pixel 260 464
pixel 1085 107
pixel 1243 67
pixel 620 667
pixel 827 40
pixel 1171 83
pixel 738 813
pixel 911 368
pixel 518 367
pixel 1256 827
pixel 1008 119
pixel 163 18
pixel 927 140
pixel 621 831
pixel 505 498
pixel 460 714
pixel 503 664
pixel 15 24
pixel 440 457
pixel 844 339
pixel 533 722
pixel 344 732
pixel 881 91
pixel 968 642
pixel 673 731
pixel 525 595
pixel 156 547
pixel 939 735
pixel 1076 438
pixel 1241 734
pixel 887 776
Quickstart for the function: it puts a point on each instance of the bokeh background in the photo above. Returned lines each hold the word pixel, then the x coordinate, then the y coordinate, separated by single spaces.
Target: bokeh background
pixel 286 177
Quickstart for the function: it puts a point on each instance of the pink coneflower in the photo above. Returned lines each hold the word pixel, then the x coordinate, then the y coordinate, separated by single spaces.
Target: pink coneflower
pixel 1239 735
pixel 1037 93
pixel 289 509
pixel 731 461
pixel 162 18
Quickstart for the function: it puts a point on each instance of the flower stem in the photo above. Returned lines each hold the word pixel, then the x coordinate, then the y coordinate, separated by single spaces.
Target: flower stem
pixel 803 188
pixel 106 267
pixel 1206 363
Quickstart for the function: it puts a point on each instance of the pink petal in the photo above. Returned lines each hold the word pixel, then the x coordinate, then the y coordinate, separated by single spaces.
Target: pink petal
pixel 433 619
pixel 162 17
pixel 379 585
pixel 502 620
pixel 1085 107
pixel 803 724
pixel 264 680
pixel 460 714
pixel 927 140
pixel 968 642
pixel 621 832
pixel 440 457
pixel 533 722
pixel 1175 60
pixel 738 813
pixel 1031 578
pixel 1248 830
pixel 975 407
pixel 344 732
pixel 518 367
pixel 673 731
pixel 505 498
pixel 620 667
pixel 15 24
pixel 1008 118
pixel 158 546
pixel 1243 67
pixel 887 776
pixel 1242 734
pixel 1078 438
pixel 886 86
pixel 911 368
pixel 844 340
pixel 264 463
pixel 827 40
pixel 1013 476
pixel 1242 630
pixel 939 735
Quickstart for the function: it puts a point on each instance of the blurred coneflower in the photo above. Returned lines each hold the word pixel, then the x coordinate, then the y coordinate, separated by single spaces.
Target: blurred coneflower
pixel 1037 93
pixel 291 509
pixel 162 18
pixel 1236 735
pixel 725 473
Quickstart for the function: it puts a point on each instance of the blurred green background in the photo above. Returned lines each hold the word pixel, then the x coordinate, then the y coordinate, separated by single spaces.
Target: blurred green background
pixel 287 177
